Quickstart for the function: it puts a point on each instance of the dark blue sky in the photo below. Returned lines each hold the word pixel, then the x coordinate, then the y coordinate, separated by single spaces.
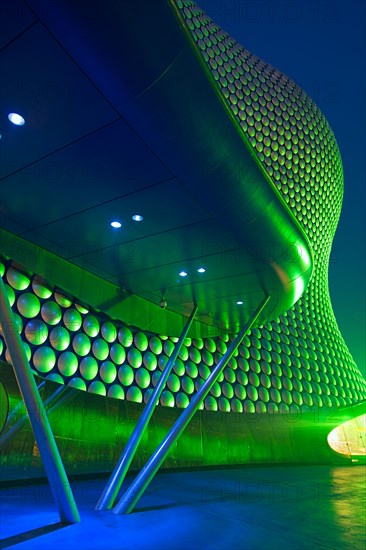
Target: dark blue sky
pixel 321 45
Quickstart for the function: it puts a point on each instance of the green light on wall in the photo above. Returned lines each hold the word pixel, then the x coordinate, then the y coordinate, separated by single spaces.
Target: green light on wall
pixel 134 358
pixel 40 290
pixel 72 320
pixel 28 305
pixel 88 368
pixel 97 387
pixel 155 345
pixel 125 375
pixel 108 372
pixel 91 326
pixel 62 300
pixel 67 363
pixel 142 378
pixel 118 354
pixel 134 394
pixel 51 313
pixel 109 331
pixel 16 279
pixel 116 391
pixel 10 294
pixel 60 338
pixel 77 383
pixel 167 399
pixel 36 332
pixel 125 337
pixel 54 377
pixel 100 349
pixel 81 344
pixel 44 359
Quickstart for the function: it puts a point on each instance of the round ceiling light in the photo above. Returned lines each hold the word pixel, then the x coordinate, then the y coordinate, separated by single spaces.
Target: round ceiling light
pixel 201 270
pixel 137 218
pixel 16 119
pixel 116 224
pixel 183 274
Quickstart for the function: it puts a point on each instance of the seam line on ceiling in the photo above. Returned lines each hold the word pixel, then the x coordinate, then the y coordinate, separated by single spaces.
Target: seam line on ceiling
pixel 60 149
pixel 96 206
pixel 145 237
pixel 18 36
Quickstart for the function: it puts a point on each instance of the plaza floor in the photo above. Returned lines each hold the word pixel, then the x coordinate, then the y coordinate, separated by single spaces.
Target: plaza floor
pixel 271 507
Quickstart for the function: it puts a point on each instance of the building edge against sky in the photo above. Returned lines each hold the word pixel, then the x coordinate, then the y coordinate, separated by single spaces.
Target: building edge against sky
pixel 316 68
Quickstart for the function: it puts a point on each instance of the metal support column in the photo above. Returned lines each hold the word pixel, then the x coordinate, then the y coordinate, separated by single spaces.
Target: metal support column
pixel 55 471
pixel 110 492
pixel 19 409
pixel 50 404
pixel 138 486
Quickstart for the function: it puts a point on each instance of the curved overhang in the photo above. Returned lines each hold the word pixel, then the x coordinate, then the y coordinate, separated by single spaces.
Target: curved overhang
pixel 149 72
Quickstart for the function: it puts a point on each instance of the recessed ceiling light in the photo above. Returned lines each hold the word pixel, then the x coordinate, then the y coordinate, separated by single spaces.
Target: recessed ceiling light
pixel 240 303
pixel 16 119
pixel 201 270
pixel 116 224
pixel 137 218
pixel 183 274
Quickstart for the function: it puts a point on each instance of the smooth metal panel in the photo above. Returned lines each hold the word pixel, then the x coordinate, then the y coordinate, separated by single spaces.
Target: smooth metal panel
pixel 89 435
pixel 168 100
pixel 52 95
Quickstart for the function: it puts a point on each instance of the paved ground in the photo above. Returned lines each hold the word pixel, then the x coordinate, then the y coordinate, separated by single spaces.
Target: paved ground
pixel 280 507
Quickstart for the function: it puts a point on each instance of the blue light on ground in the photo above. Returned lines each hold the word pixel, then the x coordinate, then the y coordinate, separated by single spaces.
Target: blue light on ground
pixel 274 507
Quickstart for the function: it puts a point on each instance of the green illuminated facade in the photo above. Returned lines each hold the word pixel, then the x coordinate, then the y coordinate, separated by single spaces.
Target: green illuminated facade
pixel 292 364
pixel 289 365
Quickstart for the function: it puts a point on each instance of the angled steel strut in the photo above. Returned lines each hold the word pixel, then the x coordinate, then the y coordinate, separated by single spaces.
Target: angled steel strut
pixel 54 467
pixel 138 486
pixel 115 481
pixel 52 402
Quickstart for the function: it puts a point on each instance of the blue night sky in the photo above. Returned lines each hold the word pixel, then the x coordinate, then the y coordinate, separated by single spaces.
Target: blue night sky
pixel 321 45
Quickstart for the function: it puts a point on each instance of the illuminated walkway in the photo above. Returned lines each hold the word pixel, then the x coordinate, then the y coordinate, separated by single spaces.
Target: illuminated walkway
pixel 285 507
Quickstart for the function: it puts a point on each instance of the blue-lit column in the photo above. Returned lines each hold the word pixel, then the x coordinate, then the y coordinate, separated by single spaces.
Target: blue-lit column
pixel 111 489
pixel 139 485
pixel 54 467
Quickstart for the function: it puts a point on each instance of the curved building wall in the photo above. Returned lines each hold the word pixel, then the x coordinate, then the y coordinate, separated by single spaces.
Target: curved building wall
pixel 297 150
pixel 298 361
pixel 281 367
